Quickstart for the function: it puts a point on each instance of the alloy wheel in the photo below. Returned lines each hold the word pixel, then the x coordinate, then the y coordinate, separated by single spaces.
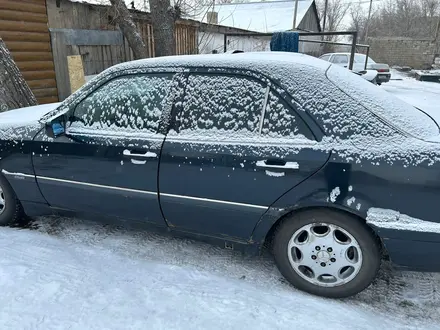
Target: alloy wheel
pixel 324 254
pixel 2 200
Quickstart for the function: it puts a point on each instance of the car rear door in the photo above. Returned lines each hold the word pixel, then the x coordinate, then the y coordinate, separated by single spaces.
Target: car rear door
pixel 224 166
pixel 107 164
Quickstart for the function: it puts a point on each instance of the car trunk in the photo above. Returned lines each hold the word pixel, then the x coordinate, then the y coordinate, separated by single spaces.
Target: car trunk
pixel 379 67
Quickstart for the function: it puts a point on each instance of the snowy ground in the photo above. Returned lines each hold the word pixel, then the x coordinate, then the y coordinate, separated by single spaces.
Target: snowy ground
pixel 73 274
pixel 424 95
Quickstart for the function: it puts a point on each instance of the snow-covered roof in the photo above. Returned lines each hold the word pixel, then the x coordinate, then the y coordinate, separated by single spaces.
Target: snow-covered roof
pixel 142 5
pixel 265 17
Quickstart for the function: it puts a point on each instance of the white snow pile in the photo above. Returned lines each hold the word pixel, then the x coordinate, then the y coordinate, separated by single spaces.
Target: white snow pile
pixel 20 123
pixel 391 219
pixel 77 275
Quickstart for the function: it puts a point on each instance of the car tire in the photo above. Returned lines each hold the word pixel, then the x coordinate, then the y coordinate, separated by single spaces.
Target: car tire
pixel 11 210
pixel 355 269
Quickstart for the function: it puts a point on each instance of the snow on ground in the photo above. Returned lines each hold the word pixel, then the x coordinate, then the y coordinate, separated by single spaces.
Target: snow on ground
pixel 74 274
pixel 424 95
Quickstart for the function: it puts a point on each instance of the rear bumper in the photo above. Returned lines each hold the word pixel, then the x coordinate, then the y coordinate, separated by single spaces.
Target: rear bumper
pixel 410 242
pixel 383 77
pixel 412 250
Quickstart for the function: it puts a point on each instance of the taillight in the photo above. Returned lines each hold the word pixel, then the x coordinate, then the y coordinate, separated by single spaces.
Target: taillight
pixel 382 70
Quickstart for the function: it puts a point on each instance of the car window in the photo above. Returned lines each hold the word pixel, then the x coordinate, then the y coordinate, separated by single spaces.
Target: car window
pixel 325 57
pixel 228 103
pixel 340 59
pixel 360 58
pixel 390 109
pixel 281 120
pixel 133 102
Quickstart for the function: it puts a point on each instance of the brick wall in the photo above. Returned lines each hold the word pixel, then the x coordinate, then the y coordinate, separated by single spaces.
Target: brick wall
pixel 418 54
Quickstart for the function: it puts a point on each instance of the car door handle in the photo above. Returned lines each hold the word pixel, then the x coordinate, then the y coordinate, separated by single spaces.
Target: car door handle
pixel 148 154
pixel 278 164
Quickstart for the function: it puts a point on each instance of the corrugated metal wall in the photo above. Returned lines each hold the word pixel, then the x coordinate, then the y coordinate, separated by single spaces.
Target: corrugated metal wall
pixel 23 27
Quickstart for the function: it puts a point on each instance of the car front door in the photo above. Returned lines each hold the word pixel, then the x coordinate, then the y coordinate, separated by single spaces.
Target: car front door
pixel 224 166
pixel 107 163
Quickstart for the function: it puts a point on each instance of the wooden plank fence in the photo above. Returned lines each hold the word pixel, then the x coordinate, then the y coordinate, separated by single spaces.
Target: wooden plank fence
pixel 89 30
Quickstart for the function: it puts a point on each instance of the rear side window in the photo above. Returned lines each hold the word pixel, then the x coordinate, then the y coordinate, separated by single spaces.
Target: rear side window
pixel 325 57
pixel 227 103
pixel 340 59
pixel 133 103
pixel 282 121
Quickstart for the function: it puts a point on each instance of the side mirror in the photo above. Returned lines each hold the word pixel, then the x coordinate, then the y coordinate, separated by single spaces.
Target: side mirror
pixel 54 129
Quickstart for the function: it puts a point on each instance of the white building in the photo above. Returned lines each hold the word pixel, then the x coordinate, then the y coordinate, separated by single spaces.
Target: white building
pixel 261 17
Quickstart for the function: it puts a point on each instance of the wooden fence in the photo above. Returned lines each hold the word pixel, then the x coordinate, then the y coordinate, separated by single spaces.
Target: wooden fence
pixel 90 31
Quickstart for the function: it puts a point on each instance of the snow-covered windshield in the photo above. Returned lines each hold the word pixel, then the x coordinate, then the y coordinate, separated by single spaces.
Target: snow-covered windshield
pixel 360 58
pixel 384 105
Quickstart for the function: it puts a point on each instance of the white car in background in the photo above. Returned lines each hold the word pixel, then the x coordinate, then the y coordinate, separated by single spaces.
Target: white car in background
pixel 343 59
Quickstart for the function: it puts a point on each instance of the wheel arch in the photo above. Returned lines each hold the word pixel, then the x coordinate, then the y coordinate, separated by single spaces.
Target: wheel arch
pixel 268 239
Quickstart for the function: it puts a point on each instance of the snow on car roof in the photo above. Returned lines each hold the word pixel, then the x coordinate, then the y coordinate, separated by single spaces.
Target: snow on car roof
pixel 238 60
pixel 265 17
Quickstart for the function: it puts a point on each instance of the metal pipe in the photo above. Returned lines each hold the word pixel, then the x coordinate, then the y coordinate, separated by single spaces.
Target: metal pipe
pixel 332 43
pixel 366 59
pixel 311 34
pixel 353 50
pixel 325 15
pixel 295 12
pixel 368 20
pixel 225 41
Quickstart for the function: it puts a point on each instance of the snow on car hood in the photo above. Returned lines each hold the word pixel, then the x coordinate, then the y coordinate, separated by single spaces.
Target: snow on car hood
pixel 19 123
pixel 27 115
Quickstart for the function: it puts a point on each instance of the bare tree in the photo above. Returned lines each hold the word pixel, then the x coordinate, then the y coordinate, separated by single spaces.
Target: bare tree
pixel 14 91
pixel 125 22
pixel 359 20
pixel 406 18
pixel 163 17
pixel 335 13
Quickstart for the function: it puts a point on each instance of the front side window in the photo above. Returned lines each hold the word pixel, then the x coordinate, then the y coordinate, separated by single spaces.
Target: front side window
pixel 282 121
pixel 132 102
pixel 226 103
pixel 325 57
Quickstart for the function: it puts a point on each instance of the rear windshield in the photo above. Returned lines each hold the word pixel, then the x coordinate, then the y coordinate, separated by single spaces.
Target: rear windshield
pixel 394 111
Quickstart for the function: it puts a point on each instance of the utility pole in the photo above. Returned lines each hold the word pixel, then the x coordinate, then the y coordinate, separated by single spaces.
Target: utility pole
pixel 368 20
pixel 437 33
pixel 294 14
pixel 325 15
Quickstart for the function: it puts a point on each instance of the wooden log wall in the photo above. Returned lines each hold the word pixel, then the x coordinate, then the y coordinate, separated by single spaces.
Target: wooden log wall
pixel 24 29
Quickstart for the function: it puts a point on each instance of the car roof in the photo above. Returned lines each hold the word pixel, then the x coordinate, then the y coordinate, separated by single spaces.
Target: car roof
pixel 248 61
pixel 341 53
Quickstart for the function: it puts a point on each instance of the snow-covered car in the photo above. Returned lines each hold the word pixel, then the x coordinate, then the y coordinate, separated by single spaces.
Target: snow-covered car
pixel 244 150
pixel 343 59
